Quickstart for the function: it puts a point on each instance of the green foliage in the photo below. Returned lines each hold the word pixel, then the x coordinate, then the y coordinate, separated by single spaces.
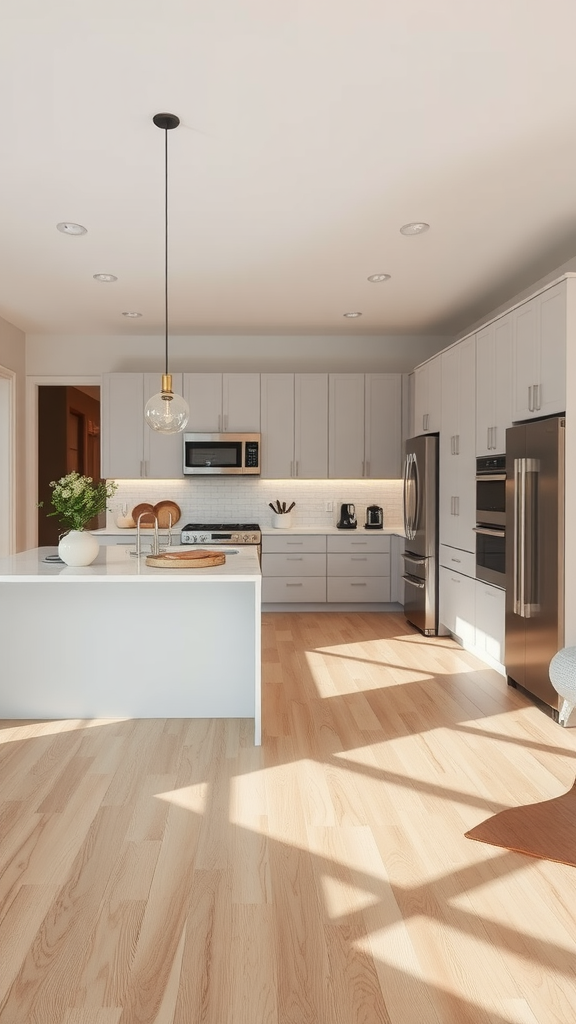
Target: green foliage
pixel 76 499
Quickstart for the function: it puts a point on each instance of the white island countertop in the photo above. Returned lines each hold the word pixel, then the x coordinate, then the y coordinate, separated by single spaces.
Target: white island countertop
pixel 143 643
pixel 115 563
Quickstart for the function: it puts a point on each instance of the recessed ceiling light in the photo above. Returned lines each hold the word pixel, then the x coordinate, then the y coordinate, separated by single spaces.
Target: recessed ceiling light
pixel 131 314
pixel 377 278
pixel 352 316
pixel 418 227
pixel 107 278
pixel 67 227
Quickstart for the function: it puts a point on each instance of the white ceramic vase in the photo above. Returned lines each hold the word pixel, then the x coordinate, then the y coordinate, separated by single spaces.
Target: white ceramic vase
pixel 78 547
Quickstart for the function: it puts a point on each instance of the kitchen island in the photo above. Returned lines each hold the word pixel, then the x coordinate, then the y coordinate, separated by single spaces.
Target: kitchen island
pixel 120 639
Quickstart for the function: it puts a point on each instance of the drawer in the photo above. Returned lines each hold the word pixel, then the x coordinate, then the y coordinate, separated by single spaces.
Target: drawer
pixel 358 588
pixel 359 542
pixel 294 564
pixel 294 542
pixel 358 564
pixel 283 590
pixel 460 561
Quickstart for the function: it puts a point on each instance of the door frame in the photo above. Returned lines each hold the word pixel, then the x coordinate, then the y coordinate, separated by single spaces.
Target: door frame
pixel 32 386
pixel 8 505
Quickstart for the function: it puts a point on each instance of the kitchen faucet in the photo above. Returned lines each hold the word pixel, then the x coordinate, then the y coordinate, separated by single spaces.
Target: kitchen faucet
pixel 155 547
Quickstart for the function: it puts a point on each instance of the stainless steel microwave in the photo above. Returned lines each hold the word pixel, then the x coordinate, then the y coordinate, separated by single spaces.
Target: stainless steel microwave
pixel 221 454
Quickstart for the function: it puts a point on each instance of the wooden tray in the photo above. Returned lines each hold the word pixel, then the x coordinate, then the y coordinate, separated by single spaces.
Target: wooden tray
pixel 144 506
pixel 163 510
pixel 200 558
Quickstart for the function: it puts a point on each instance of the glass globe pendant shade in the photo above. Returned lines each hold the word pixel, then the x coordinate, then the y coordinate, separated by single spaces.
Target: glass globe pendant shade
pixel 166 412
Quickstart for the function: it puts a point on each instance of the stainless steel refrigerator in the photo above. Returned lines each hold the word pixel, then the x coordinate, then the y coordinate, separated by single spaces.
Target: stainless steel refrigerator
pixel 421 529
pixel 534 554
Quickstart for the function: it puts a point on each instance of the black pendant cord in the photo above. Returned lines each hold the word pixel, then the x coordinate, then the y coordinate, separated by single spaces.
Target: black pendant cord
pixel 166 242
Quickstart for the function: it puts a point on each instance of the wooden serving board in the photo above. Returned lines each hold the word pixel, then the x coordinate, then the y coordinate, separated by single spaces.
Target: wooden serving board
pixel 199 558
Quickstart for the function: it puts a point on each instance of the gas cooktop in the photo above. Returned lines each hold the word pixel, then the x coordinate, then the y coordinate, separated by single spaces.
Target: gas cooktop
pixel 221 533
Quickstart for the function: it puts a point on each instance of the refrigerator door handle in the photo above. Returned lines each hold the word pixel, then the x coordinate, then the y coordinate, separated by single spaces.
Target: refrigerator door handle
pixel 414 583
pixel 530 590
pixel 406 525
pixel 519 535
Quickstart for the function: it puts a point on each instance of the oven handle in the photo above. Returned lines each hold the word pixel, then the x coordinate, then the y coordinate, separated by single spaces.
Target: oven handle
pixel 490 476
pixel 489 533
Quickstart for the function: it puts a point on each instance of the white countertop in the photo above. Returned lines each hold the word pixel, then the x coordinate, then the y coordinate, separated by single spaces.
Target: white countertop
pixel 115 563
pixel 129 535
pixel 327 531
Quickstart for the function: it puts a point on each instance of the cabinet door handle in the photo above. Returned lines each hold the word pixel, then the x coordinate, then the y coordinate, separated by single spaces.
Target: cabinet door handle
pixel 367 469
pixel 219 423
pixel 457 500
pixel 291 469
pixel 457 444
pixel 297 470
pixel 363 465
pixel 488 433
pixel 537 403
pixel 530 399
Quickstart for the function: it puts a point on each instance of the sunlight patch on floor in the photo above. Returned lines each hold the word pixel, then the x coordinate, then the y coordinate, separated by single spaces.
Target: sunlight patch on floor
pixel 191 798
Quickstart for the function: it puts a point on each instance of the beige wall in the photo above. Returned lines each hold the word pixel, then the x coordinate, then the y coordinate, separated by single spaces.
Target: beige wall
pixel 87 355
pixel 13 357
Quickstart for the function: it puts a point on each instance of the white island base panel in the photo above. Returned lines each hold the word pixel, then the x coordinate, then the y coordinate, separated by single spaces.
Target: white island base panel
pixel 171 648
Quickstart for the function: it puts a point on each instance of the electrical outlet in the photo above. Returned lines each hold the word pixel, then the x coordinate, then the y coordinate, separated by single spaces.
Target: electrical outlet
pixel 329 506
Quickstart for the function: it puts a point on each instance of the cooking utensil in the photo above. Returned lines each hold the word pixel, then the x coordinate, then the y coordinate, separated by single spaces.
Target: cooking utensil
pixel 270 505
pixel 200 558
pixel 290 507
pixel 148 520
pixel 165 509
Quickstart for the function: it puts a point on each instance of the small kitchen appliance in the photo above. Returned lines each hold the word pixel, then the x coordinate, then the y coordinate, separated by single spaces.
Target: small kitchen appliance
pixel 218 454
pixel 374 518
pixel 347 519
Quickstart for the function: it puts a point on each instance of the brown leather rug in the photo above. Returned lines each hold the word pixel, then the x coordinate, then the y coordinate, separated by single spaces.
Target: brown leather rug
pixel 546 830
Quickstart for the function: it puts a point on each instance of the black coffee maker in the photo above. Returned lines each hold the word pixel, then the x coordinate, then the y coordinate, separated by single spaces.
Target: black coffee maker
pixel 347 519
pixel 374 518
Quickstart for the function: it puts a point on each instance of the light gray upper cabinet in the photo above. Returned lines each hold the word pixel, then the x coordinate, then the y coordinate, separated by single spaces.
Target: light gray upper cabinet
pixel 365 425
pixel 457 446
pixel 223 402
pixel 383 426
pixel 539 354
pixel 428 396
pixel 494 386
pixel 294 418
pixel 130 448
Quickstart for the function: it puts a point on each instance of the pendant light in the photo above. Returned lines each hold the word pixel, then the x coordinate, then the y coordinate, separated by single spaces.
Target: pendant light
pixel 166 412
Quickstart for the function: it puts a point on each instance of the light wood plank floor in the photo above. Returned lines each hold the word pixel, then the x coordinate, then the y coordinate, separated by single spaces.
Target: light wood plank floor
pixel 168 872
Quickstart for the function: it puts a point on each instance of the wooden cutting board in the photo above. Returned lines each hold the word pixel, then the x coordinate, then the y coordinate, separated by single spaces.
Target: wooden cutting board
pixel 199 558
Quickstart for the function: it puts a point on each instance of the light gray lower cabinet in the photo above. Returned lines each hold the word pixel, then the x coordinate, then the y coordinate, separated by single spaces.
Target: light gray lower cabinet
pixel 352 568
pixel 358 568
pixel 473 611
pixel 294 568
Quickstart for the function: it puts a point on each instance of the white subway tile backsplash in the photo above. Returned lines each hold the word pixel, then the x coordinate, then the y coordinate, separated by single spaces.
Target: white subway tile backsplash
pixel 230 499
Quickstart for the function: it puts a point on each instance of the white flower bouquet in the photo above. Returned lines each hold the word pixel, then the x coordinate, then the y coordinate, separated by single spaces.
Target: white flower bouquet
pixel 77 499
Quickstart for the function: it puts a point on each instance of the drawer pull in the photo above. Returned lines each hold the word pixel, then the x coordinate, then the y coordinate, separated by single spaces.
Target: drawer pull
pixel 456 560
pixel 295 543
pixel 295 558
pixel 357 584
pixel 293 584
pixel 358 558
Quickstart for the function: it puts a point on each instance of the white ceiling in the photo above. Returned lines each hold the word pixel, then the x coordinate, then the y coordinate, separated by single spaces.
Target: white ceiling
pixel 311 131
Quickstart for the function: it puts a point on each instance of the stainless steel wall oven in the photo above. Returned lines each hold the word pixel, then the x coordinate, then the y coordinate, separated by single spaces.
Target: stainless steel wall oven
pixel 491 520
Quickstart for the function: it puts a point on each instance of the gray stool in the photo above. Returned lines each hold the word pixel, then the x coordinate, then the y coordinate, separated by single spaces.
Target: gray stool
pixel 563 678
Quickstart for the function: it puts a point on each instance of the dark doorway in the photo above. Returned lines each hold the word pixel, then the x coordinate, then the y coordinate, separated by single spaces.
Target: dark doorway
pixel 68 439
